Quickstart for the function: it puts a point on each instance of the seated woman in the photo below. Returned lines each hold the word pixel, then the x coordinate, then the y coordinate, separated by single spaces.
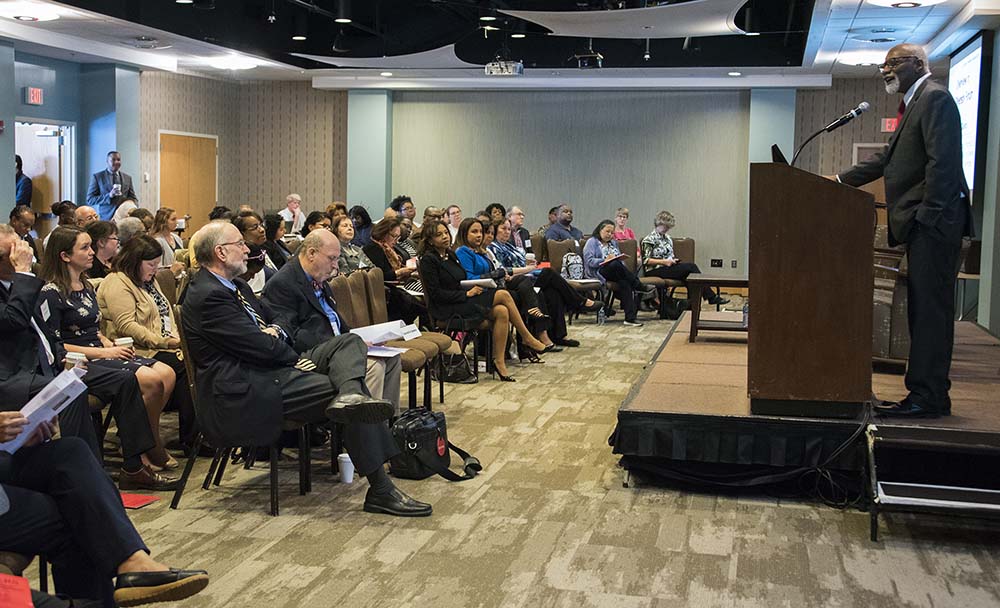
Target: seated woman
pixel 442 277
pixel 104 242
pixel 601 261
pixel 384 254
pixel 65 212
pixel 164 224
pixel 622 231
pixel 362 225
pixel 316 220
pixel 143 215
pixel 658 256
pixel 496 212
pixel 251 226
pixel 351 256
pixel 134 307
pixel 472 246
pixel 274 246
pixel 69 308
pixel 558 295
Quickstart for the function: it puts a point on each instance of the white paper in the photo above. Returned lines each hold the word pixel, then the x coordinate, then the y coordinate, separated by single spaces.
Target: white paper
pixel 385 352
pixel 383 332
pixel 47 404
pixel 484 283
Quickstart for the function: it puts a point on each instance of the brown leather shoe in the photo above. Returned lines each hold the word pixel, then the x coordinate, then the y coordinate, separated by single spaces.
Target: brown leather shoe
pixel 145 479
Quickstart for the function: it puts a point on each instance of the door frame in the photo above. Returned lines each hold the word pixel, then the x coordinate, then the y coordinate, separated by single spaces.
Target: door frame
pixel 69 167
pixel 159 174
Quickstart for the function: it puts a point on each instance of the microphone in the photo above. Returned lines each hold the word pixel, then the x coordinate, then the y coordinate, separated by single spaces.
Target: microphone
pixel 846 118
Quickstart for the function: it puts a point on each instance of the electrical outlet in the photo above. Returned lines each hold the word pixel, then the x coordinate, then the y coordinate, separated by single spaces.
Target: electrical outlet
pixel 734 263
pixel 716 263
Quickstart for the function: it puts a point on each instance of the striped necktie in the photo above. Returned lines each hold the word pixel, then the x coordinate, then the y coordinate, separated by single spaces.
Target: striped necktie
pixel 250 310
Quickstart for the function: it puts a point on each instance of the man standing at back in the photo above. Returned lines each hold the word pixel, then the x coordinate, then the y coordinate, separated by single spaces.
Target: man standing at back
pixel 110 187
pixel 22 185
pixel 928 205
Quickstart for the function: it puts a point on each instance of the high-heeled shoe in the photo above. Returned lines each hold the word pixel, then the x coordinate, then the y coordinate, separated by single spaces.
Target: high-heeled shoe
pixel 503 378
pixel 526 354
pixel 552 348
pixel 536 313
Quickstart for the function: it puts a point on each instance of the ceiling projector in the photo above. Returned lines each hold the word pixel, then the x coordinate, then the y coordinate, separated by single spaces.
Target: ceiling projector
pixel 504 68
pixel 588 60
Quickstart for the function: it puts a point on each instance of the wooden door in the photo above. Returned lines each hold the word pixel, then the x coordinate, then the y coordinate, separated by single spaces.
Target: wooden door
pixel 188 176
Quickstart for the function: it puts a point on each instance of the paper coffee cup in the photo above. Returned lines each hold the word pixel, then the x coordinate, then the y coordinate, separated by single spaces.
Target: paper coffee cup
pixel 529 257
pixel 124 342
pixel 346 466
pixel 75 360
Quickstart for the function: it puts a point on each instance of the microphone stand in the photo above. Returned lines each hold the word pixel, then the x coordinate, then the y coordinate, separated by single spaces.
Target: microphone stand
pixel 806 142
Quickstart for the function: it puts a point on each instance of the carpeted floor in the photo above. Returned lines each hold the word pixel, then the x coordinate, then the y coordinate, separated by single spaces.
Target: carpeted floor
pixel 548 523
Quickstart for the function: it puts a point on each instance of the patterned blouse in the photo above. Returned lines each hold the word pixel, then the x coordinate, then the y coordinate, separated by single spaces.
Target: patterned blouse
pixel 610 248
pixel 73 320
pixel 508 255
pixel 658 246
pixel 351 258
pixel 162 305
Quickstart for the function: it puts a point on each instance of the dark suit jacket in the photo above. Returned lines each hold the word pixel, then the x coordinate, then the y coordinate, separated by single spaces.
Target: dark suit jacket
pixel 378 257
pixel 99 193
pixel 238 368
pixel 277 251
pixel 922 166
pixel 290 295
pixel 19 359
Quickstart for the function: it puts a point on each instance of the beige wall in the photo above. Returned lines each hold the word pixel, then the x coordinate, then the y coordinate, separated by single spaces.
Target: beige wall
pixel 831 152
pixel 274 138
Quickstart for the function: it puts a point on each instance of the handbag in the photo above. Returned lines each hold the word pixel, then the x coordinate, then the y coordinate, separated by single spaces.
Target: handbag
pixel 671 308
pixel 456 369
pixel 422 437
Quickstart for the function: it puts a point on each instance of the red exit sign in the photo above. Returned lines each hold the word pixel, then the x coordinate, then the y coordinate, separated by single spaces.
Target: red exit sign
pixel 33 96
pixel 889 125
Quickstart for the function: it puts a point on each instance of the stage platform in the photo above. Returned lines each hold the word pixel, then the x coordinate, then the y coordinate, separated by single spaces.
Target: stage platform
pixel 689 415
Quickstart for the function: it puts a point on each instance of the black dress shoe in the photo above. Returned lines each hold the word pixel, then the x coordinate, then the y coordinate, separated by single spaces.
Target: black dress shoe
pixel 396 503
pixel 567 342
pixel 146 479
pixel 911 410
pixel 138 588
pixel 594 307
pixel 355 407
pixel 718 300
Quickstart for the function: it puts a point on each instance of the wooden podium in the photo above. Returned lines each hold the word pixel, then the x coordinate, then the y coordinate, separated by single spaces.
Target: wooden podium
pixel 811 283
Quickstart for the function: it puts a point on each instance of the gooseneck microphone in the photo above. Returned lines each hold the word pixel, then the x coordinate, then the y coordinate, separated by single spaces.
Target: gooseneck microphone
pixel 843 120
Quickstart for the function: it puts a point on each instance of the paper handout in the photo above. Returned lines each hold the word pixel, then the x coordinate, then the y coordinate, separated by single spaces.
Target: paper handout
pixel 383 332
pixel 484 283
pixel 47 404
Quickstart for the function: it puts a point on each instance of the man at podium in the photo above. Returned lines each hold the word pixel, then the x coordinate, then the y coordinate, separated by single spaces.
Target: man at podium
pixel 928 209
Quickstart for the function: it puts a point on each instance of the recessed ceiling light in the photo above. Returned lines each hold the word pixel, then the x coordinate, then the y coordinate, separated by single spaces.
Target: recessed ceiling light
pixel 343 19
pixel 185 1
pixel 517 35
pixel 25 18
pixel 752 34
pixel 298 38
pixel 735 74
pixel 29 11
pixel 386 74
pixel 488 18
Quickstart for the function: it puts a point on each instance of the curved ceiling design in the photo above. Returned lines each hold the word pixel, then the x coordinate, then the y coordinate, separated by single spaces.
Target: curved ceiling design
pixel 696 18
pixel 439 58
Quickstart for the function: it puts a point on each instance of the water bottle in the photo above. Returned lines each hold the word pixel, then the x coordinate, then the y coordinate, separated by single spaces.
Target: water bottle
pixel 746 315
pixel 602 316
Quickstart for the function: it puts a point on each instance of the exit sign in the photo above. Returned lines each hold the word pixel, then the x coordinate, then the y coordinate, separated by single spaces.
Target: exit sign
pixel 33 96
pixel 889 125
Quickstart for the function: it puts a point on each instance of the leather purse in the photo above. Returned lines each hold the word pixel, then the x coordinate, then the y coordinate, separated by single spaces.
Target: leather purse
pixel 422 437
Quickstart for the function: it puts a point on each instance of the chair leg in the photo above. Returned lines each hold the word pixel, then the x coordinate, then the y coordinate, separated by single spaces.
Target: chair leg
pixel 43 575
pixel 219 452
pixel 275 452
pixel 249 457
pixel 303 459
pixel 441 378
pixel 411 393
pixel 187 472
pixel 428 382
pixel 222 465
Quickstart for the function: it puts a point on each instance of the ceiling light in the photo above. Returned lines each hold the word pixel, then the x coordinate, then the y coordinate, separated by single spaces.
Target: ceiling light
pixel 343 11
pixel 184 1
pixel 232 62
pixel 752 34
pixel 517 35
pixel 735 74
pixel 29 12
pixel 146 43
pixel 490 15
pixel 385 74
pixel 902 4
pixel 301 26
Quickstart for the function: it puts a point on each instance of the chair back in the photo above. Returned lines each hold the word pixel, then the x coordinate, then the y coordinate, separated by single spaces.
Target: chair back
pixel 168 284
pixel 557 249
pixel 375 288
pixel 342 296
pixel 631 250
pixel 186 354
pixel 538 247
pixel 292 244
pixel 684 249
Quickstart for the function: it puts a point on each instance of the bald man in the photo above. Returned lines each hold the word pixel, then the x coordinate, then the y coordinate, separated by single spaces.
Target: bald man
pixel 928 204
pixel 86 216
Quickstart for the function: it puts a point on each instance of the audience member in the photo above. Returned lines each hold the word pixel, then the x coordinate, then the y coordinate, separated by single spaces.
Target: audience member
pixel 362 225
pixel 124 210
pixel 496 213
pixel 403 205
pixel 133 387
pixel 316 220
pixel 658 256
pixel 57 502
pixel 30 358
pixel 563 228
pixel 622 231
pixel 453 214
pixel 292 213
pixel 145 216
pixel 104 242
pixel 553 217
pixel 128 229
pixel 602 261
pixel 108 188
pixel 385 254
pixel 274 246
pixel 299 292
pixel 65 212
pixel 85 216
pixel 220 212
pixel 22 220
pixel 336 208
pixel 164 224
pixel 134 307
pixel 519 235
pixel 251 226
pixel 406 243
pixel 249 378
pixel 22 184
pixel 351 256
pixel 442 276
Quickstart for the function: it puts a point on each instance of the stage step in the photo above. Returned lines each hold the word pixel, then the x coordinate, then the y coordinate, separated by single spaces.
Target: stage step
pixel 918 489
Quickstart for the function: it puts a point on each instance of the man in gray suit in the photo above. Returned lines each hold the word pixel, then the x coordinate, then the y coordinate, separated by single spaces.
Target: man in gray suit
pixel 928 204
pixel 109 188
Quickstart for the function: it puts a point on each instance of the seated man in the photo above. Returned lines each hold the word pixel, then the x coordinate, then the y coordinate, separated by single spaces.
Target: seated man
pixel 57 502
pixel 563 229
pixel 249 378
pixel 301 296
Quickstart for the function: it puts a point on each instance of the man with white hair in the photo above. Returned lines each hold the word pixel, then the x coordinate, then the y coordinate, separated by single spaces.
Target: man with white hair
pixel 292 213
pixel 250 379
pixel 518 233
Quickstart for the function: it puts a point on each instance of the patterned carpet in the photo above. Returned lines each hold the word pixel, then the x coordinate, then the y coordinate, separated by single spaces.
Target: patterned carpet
pixel 548 523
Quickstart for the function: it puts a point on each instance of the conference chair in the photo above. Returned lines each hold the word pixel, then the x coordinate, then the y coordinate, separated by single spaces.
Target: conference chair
pixel 431 344
pixel 538 247
pixel 556 250
pixel 168 284
pixel 223 453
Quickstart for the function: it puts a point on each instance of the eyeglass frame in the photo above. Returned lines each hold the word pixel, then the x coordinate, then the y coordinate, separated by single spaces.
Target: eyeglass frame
pixel 241 243
pixel 895 62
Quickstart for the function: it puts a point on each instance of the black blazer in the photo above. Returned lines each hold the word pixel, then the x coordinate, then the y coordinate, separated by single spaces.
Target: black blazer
pixel 277 251
pixel 290 295
pixel 19 357
pixel 377 255
pixel 916 189
pixel 238 368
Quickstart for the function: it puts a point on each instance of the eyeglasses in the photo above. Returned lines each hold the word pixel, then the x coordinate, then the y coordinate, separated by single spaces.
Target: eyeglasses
pixel 113 238
pixel 895 62
pixel 240 242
